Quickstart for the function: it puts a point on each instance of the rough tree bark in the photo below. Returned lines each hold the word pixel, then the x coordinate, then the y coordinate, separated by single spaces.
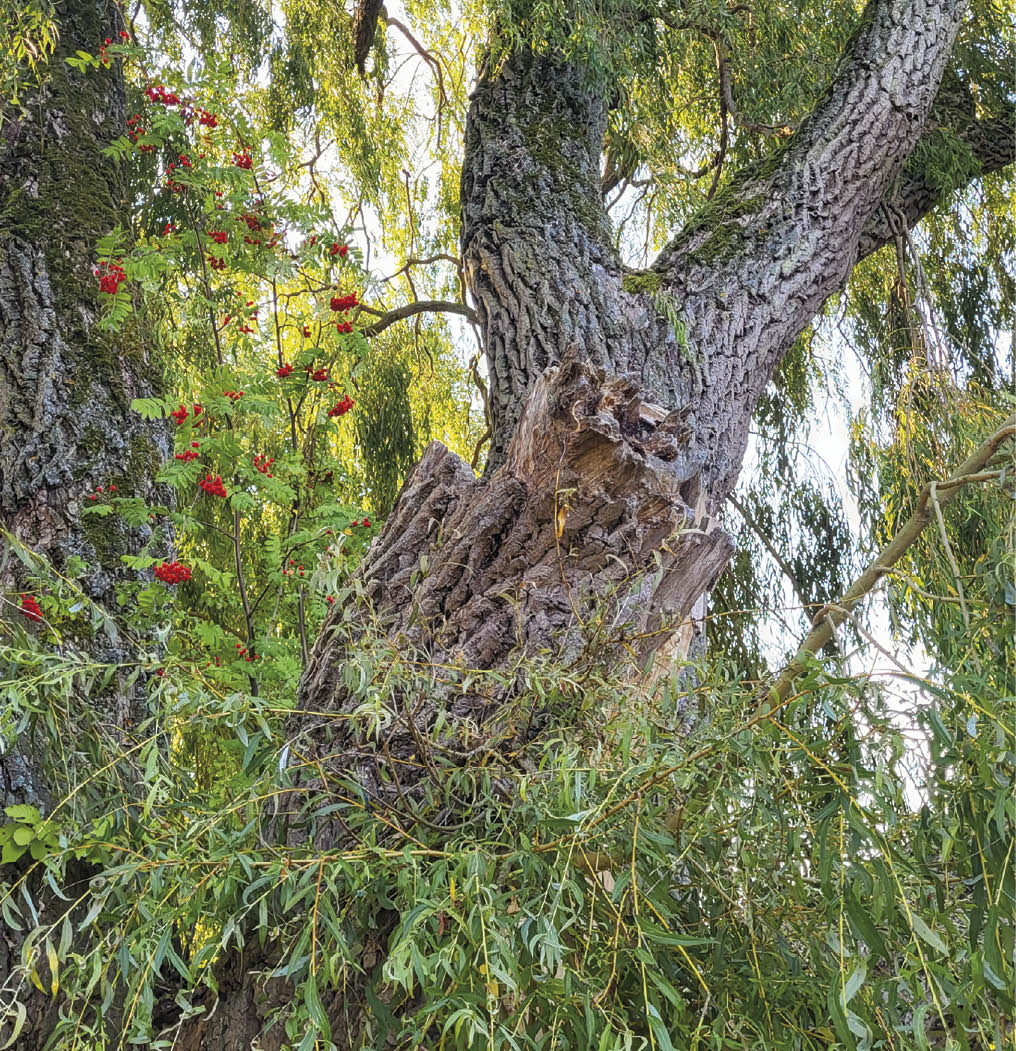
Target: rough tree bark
pixel 746 276
pixel 614 444
pixel 65 386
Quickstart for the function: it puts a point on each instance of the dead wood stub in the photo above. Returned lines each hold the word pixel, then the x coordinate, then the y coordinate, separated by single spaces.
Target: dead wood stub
pixel 585 517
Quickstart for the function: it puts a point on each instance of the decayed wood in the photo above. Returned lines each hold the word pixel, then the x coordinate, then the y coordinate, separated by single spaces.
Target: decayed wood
pixel 585 520
pixel 586 515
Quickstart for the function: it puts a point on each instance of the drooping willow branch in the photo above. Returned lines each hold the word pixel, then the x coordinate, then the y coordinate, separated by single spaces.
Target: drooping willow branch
pixel 935 494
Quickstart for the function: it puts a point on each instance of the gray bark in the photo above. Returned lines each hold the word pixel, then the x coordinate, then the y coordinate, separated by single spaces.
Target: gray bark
pixel 65 386
pixel 992 144
pixel 65 392
pixel 746 276
pixel 505 574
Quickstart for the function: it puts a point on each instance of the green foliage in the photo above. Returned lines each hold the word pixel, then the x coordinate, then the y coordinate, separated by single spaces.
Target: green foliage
pixel 633 877
pixel 27 39
pixel 385 432
pixel 26 831
pixel 258 295
pixel 626 880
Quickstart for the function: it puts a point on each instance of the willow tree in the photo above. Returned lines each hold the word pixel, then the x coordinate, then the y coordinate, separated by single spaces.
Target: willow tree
pixel 620 399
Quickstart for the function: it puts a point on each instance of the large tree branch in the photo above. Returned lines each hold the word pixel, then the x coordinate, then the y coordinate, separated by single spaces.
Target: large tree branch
pixel 992 145
pixel 754 268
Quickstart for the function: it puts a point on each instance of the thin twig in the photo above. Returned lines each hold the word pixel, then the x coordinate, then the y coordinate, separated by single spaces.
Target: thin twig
pixel 936 503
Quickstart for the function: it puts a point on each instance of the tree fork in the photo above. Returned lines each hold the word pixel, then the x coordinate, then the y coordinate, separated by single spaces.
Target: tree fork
pixel 582 537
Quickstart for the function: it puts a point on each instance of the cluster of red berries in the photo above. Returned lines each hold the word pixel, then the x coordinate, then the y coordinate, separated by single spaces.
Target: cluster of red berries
pixel 336 249
pixel 253 221
pixel 233 395
pixel 365 523
pixel 172 572
pixel 283 372
pixel 169 228
pixel 158 93
pixel 216 263
pixel 179 415
pixel 306 331
pixel 344 327
pixel 263 464
pixel 209 120
pixel 98 491
pixel 30 608
pixel 344 302
pixel 291 572
pixel 242 159
pixel 317 375
pixel 218 236
pixel 246 656
pixel 189 454
pixel 135 131
pixel 111 276
pixel 341 408
pixel 213 485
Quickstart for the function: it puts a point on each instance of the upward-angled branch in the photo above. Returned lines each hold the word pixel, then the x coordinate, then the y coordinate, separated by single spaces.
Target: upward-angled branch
pixel 753 269
pixel 839 165
pixel 940 493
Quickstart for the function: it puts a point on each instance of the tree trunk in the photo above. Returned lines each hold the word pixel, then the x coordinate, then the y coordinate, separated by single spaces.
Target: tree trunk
pixel 746 277
pixel 615 443
pixel 65 386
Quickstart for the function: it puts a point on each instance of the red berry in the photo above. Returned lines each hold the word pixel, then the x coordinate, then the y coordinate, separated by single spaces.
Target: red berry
pixel 172 572
pixel 30 609
pixel 341 408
